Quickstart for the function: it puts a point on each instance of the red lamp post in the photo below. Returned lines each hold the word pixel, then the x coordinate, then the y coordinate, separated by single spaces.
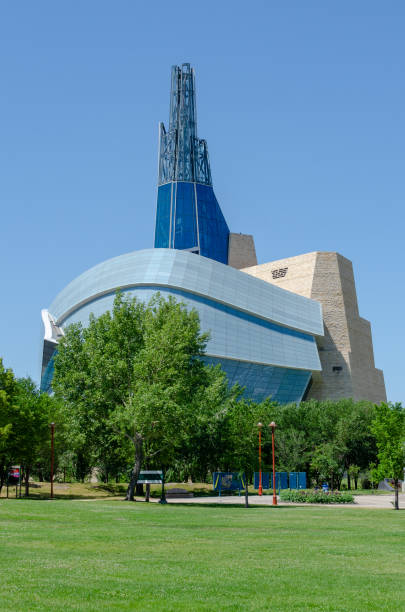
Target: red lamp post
pixel 273 427
pixel 260 425
pixel 52 436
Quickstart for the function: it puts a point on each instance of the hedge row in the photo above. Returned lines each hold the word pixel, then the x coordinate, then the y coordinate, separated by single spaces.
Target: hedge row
pixel 317 497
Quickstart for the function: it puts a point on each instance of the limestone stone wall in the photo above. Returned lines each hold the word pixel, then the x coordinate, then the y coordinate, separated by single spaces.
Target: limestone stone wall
pixel 241 251
pixel 346 350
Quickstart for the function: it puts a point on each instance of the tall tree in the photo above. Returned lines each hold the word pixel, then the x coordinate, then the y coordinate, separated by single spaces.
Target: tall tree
pixel 388 428
pixel 8 389
pixel 173 395
pixel 136 377
pixel 93 375
pixel 25 416
pixel 32 417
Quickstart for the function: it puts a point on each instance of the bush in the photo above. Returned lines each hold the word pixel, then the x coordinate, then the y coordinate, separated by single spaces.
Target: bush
pixel 317 497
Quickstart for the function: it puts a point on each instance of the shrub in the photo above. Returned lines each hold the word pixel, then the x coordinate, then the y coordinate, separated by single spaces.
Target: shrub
pixel 317 497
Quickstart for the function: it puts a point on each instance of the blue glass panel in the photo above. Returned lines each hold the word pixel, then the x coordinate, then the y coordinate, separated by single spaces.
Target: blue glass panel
pixel 261 381
pixel 46 378
pixel 180 224
pixel 184 217
pixel 236 335
pixel 163 217
pixel 198 275
pixel 213 230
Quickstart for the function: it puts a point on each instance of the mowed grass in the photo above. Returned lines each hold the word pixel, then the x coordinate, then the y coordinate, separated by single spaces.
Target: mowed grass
pixel 113 555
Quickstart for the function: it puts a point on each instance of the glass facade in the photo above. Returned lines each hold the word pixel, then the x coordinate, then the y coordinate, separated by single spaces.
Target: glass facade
pixel 47 375
pixel 261 334
pixel 194 275
pixel 260 381
pixel 188 217
pixel 236 339
pixel 233 334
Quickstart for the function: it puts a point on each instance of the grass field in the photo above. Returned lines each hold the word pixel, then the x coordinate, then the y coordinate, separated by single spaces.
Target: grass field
pixel 113 555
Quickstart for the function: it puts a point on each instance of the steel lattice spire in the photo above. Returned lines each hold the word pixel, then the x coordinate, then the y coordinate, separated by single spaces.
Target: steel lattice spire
pixel 183 156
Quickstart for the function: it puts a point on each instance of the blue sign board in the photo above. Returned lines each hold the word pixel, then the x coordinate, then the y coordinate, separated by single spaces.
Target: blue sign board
pixel 281 480
pixel 228 481
pixel 265 480
pixel 298 480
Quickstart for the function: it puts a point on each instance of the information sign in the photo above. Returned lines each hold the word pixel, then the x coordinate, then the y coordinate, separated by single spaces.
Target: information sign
pixel 228 481
pixel 14 474
pixel 150 477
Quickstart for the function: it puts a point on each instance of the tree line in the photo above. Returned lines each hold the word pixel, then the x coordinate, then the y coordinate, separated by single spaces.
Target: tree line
pixel 25 415
pixel 132 389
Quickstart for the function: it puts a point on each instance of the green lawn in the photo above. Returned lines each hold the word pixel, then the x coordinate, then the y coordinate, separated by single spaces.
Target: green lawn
pixel 113 555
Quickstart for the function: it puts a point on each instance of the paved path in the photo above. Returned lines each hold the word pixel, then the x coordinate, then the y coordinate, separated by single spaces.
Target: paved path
pixel 361 501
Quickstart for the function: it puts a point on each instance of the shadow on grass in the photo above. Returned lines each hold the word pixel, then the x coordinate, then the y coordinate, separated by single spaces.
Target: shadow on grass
pixel 219 505
pixel 63 497
pixel 77 492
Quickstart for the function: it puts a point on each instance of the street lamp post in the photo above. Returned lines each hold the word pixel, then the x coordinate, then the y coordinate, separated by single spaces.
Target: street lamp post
pixel 52 436
pixel 273 427
pixel 260 425
pixel 163 499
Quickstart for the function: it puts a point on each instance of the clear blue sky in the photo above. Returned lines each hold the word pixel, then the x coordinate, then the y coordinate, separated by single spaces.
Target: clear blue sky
pixel 302 105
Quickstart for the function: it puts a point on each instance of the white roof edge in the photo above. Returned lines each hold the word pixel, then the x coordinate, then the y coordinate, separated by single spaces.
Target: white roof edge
pixel 105 277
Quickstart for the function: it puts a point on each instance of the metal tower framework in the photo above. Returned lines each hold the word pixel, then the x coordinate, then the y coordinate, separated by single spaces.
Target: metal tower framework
pixel 182 155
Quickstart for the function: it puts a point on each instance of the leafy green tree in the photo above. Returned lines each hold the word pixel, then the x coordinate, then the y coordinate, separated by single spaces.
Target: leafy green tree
pixel 25 416
pixel 134 381
pixel 93 376
pixel 240 437
pixel 327 464
pixel 206 434
pixel 388 428
pixel 8 392
pixel 34 411
pixel 354 436
pixel 175 399
pixel 353 472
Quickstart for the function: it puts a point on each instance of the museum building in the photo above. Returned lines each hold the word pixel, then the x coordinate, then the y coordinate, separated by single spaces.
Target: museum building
pixel 287 330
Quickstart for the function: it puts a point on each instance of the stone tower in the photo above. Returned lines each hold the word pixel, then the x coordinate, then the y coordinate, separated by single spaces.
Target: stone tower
pixel 346 350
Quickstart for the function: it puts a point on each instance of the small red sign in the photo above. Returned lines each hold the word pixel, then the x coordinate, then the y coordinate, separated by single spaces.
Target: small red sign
pixel 14 473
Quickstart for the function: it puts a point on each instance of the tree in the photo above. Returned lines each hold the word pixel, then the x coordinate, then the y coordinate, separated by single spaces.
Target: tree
pixel 354 436
pixel 315 433
pixel 33 414
pixel 25 415
pixel 388 428
pixel 327 465
pixel 353 472
pixel 8 393
pixel 135 379
pixel 174 394
pixel 93 376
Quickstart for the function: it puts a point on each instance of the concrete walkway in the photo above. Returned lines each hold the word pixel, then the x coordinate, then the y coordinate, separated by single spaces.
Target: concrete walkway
pixel 361 501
